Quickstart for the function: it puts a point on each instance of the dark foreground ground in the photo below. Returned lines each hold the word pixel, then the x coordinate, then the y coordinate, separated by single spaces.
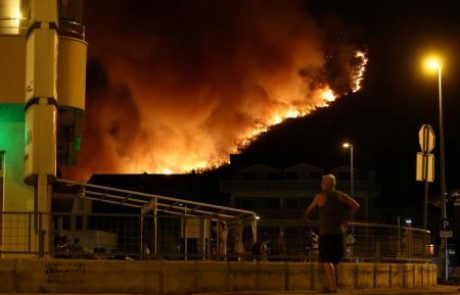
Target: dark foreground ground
pixel 441 289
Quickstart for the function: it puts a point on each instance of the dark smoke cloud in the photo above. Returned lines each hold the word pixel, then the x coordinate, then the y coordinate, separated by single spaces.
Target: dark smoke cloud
pixel 180 84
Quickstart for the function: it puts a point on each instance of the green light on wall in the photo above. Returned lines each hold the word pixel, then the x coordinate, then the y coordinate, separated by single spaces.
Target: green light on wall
pixel 12 112
pixel 3 136
pixel 11 118
pixel 77 143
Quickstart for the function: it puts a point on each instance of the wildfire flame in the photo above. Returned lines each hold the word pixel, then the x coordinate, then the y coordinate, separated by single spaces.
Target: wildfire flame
pixel 360 63
pixel 165 104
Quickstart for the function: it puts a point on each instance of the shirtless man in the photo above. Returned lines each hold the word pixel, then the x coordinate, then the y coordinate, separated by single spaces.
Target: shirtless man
pixel 334 210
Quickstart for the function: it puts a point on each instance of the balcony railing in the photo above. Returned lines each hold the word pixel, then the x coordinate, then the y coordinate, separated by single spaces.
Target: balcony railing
pixel 230 186
pixel 307 185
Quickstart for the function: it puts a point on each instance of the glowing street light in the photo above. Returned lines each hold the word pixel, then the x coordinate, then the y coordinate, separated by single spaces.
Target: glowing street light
pixel 348 145
pixel 435 63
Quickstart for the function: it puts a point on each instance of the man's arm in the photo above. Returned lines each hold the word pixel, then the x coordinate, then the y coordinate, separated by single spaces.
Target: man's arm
pixel 313 205
pixel 352 204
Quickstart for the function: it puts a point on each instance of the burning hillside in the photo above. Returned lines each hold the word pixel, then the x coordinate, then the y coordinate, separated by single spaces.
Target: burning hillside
pixel 178 86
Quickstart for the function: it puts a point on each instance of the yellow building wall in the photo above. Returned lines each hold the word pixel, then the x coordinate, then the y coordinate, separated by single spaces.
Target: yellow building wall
pixel 17 233
pixel 16 230
pixel 12 68
pixel 17 195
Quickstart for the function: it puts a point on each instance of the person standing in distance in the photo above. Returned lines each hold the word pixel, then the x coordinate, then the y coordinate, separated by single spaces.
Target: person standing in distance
pixel 335 208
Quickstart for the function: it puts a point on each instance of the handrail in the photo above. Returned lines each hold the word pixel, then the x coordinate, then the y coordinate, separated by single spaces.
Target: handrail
pixel 140 200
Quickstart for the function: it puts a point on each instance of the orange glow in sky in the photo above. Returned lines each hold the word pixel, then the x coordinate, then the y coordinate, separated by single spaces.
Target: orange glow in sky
pixel 182 98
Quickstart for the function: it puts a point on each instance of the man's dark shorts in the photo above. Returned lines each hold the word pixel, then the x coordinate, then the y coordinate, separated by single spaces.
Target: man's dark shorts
pixel 331 248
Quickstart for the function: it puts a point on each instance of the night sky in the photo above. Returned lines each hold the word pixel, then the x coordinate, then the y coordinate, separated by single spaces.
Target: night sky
pixel 382 119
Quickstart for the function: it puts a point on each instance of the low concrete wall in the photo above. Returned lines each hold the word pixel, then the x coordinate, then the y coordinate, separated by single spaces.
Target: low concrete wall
pixel 173 277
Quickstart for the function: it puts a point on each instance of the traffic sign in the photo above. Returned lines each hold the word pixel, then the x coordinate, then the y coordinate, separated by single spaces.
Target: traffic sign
pixel 446 223
pixel 446 234
pixel 425 167
pixel 426 138
pixel 446 228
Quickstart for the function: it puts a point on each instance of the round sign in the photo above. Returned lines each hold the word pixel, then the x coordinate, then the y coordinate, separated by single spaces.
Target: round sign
pixel 426 138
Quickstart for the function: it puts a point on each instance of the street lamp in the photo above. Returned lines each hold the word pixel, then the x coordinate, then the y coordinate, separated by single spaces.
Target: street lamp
pixel 348 145
pixel 434 63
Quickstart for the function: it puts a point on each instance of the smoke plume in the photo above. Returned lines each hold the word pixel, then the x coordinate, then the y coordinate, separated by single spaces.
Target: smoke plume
pixel 179 85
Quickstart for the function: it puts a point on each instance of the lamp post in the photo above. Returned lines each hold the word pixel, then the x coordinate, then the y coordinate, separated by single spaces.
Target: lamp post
pixel 434 63
pixel 348 145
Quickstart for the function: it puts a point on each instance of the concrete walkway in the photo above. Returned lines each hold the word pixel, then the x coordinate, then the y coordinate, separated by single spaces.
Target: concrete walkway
pixel 440 289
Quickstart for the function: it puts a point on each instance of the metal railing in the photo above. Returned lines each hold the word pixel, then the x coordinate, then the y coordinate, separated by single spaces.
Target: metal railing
pixel 309 185
pixel 132 236
pixel 196 219
pixel 362 241
pixel 159 204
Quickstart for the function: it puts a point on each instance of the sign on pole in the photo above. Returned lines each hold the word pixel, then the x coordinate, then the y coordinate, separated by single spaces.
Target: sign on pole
pixel 425 167
pixel 425 160
pixel 426 138
pixel 446 228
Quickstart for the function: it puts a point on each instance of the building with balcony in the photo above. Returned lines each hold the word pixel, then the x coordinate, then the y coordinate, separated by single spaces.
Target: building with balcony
pixel 281 194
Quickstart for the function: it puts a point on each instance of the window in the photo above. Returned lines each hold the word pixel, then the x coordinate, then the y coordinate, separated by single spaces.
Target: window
pixel 78 222
pixel 274 175
pixel 343 175
pixel 267 203
pixel 248 176
pixel 316 175
pixel 291 204
pixel 245 203
pixel 292 175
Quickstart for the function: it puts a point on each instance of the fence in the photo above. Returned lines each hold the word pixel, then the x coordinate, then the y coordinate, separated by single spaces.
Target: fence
pixel 133 236
pixel 362 242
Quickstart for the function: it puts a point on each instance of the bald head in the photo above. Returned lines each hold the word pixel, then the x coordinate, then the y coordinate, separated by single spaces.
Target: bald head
pixel 328 182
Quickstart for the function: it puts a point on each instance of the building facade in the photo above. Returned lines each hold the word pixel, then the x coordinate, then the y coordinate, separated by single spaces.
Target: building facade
pixel 283 194
pixel 42 100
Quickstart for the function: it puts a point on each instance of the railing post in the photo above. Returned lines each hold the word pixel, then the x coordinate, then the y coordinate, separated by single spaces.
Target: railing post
pixel 155 226
pixel 217 239
pixel 30 230
pixel 411 250
pixel 378 254
pixel 184 218
pixel 208 244
pixel 50 235
pixel 41 237
pixel 203 237
pixel 141 234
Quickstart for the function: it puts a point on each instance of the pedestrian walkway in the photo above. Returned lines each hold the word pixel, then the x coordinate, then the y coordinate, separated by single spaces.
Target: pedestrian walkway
pixel 440 289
